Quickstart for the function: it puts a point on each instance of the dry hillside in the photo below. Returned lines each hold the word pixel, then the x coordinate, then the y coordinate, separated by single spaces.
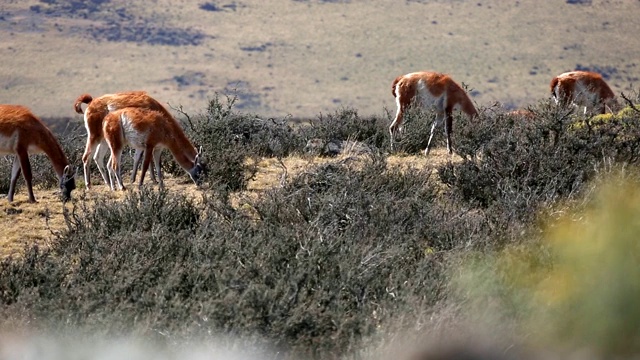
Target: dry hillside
pixel 302 57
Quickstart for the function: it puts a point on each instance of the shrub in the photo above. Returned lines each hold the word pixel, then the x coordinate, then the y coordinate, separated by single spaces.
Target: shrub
pixel 313 266
pixel 345 124
pixel 110 262
pixel 513 167
pixel 229 139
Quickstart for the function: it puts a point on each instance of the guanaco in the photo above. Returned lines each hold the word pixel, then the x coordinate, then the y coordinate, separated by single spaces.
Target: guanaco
pixel 22 133
pixel 430 90
pixel 151 131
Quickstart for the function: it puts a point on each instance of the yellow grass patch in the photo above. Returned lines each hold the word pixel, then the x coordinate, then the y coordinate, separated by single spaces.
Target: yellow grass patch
pixel 25 223
pixel 436 157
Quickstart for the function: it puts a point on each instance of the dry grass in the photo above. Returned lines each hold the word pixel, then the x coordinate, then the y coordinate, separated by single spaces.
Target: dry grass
pixel 437 157
pixel 26 223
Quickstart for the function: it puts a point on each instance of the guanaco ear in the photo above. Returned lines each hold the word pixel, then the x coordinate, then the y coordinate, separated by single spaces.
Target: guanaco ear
pixel 68 171
pixel 198 156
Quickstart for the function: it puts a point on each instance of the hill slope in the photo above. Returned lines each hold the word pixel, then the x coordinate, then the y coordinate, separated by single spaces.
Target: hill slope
pixel 304 57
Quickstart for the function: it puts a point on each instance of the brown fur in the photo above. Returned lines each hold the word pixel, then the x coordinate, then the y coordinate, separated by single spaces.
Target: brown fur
pixel 565 88
pixel 159 128
pixel 405 90
pixel 29 134
pixel 99 107
pixel 82 99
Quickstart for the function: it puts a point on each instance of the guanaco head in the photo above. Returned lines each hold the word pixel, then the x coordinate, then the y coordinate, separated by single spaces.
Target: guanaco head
pixel 199 169
pixel 67 183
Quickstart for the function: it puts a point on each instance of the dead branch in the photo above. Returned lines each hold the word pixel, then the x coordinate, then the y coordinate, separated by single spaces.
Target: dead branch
pixel 283 178
pixel 628 101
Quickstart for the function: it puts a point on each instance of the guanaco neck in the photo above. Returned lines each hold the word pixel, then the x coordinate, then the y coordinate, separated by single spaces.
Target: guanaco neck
pixel 52 148
pixel 468 108
pixel 183 151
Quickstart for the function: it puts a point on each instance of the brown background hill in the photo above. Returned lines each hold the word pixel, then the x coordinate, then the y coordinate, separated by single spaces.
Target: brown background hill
pixel 305 57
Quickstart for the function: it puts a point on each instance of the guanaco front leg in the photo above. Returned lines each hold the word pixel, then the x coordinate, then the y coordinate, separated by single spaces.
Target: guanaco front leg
pixel 21 164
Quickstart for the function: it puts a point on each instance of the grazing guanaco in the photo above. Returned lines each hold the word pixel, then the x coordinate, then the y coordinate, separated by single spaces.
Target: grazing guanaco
pixel 96 110
pixel 430 90
pixel 22 133
pixel 583 88
pixel 151 131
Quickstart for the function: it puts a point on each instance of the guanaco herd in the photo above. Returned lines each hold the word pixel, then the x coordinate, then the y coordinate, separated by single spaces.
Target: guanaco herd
pixel 136 119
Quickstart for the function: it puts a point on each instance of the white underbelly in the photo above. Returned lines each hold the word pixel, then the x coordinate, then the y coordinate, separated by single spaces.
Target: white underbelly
pixel 134 138
pixel 9 144
pixel 427 100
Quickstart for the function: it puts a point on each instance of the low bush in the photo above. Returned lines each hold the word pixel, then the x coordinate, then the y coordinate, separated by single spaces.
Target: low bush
pixel 228 139
pixel 326 259
pixel 512 166
pixel 346 124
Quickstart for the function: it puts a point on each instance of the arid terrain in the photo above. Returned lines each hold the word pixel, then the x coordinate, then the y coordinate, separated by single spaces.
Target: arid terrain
pixel 346 249
pixel 24 223
pixel 301 58
pixel 297 58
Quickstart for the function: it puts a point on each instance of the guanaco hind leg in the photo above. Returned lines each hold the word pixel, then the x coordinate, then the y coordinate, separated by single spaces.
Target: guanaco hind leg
pixel 137 157
pixel 15 172
pixel 156 163
pixel 101 152
pixel 92 145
